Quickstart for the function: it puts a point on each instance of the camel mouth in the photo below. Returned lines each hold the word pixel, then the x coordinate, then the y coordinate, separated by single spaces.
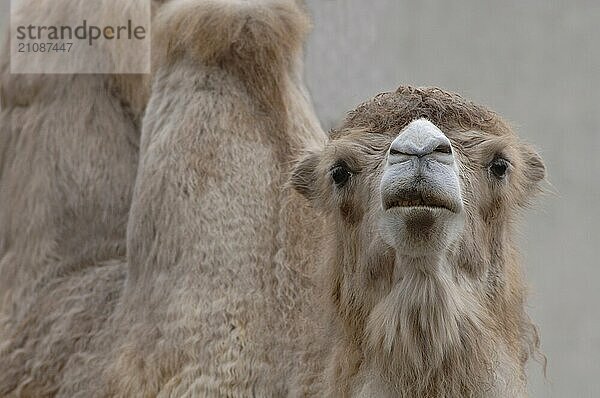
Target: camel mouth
pixel 417 200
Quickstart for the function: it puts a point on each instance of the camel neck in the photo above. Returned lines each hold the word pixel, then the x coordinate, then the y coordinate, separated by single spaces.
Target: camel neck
pixel 431 266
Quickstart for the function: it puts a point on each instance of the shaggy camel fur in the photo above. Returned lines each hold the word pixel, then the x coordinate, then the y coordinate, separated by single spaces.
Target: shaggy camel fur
pixel 202 302
pixel 69 149
pixel 419 190
pixel 233 284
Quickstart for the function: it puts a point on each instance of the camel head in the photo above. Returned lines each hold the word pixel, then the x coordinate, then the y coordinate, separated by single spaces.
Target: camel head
pixel 422 173
pixel 419 189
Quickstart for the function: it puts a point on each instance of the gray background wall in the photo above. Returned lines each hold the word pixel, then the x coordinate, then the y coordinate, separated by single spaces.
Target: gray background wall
pixel 538 64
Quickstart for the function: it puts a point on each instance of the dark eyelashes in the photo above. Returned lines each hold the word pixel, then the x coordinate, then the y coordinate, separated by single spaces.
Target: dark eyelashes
pixel 340 174
pixel 499 167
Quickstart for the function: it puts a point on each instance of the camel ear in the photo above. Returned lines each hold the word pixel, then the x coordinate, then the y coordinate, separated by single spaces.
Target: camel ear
pixel 535 170
pixel 304 176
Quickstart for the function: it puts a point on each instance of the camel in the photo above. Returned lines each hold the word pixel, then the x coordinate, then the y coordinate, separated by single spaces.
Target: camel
pixel 237 249
pixel 107 289
pixel 420 190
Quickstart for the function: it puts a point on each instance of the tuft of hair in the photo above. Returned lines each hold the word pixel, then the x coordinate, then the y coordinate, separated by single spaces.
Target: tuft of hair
pixel 448 110
pixel 257 40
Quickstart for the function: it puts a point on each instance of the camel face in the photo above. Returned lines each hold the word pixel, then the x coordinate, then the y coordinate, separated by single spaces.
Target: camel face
pixel 419 190
pixel 422 210
pixel 420 173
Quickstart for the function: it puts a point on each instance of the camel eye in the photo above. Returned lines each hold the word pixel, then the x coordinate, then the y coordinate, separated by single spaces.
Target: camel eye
pixel 499 167
pixel 340 175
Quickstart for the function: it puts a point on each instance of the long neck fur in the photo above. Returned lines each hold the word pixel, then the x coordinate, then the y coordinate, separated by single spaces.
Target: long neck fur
pixel 424 315
pixel 425 334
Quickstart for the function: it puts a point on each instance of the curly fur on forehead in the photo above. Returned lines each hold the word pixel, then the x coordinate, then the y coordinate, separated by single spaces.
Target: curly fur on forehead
pixel 392 111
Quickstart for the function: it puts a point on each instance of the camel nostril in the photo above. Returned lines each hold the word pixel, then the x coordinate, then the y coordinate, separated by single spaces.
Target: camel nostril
pixel 443 148
pixel 420 138
pixel 394 151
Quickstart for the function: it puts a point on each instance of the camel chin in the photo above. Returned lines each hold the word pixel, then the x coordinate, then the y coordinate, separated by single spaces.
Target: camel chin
pixel 422 211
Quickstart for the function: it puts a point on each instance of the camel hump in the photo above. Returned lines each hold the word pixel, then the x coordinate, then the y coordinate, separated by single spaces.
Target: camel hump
pixel 247 36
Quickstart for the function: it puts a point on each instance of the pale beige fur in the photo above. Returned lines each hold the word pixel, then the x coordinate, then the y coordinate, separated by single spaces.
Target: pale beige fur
pixel 215 276
pixel 68 157
pixel 203 302
pixel 448 322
